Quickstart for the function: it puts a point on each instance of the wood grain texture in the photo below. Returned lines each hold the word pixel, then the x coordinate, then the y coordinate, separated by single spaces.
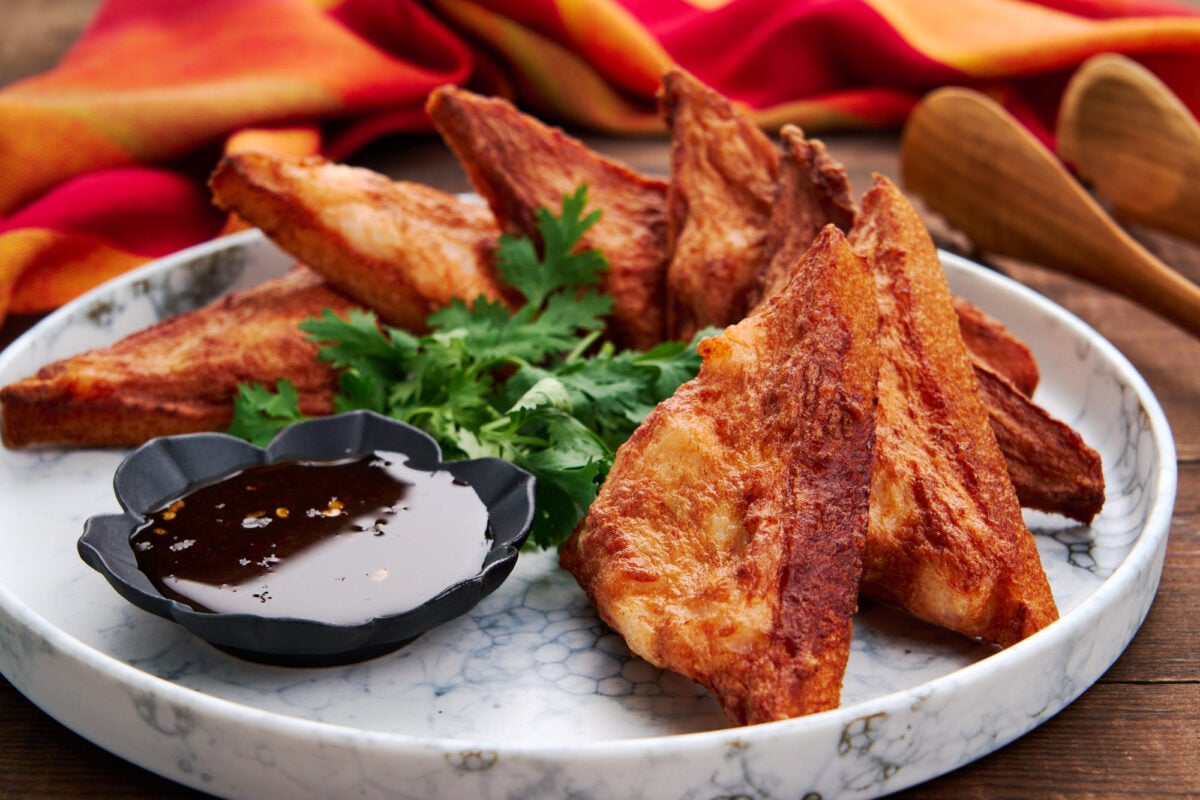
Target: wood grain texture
pixel 35 34
pixel 991 177
pixel 1136 733
pixel 1132 140
pixel 1116 741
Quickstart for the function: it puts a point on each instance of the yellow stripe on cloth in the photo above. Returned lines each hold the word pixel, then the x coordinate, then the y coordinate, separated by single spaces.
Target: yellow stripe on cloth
pixel 1000 38
pixel 553 79
pixel 43 147
pixel 607 34
pixel 42 269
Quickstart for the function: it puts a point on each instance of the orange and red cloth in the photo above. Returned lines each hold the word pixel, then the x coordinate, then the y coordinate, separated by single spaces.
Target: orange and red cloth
pixel 103 158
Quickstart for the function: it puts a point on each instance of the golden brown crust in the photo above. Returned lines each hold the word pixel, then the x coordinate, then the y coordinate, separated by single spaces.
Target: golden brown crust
pixel 726 542
pixel 179 375
pixel 402 249
pixel 814 191
pixel 519 165
pixel 947 540
pixel 994 345
pixel 1051 467
pixel 723 175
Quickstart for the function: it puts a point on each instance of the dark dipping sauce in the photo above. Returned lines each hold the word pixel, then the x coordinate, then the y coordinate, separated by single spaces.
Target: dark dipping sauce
pixel 335 541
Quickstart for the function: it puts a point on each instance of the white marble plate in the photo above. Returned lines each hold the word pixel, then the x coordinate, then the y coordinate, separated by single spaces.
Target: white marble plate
pixel 529 696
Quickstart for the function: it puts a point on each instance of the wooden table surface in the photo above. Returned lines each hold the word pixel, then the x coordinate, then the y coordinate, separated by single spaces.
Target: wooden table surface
pixel 1135 733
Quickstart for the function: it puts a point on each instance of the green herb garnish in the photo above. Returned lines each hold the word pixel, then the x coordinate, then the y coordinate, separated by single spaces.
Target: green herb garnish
pixel 535 386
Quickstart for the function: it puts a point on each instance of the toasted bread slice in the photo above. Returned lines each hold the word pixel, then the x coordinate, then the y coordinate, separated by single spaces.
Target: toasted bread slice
pixel 1066 479
pixel 947 540
pixel 726 542
pixel 179 375
pixel 1051 467
pixel 402 249
pixel 992 344
pixel 519 165
pixel 814 191
pixel 723 176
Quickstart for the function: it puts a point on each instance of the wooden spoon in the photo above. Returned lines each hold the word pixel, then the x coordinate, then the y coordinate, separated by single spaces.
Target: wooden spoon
pixel 988 176
pixel 1135 142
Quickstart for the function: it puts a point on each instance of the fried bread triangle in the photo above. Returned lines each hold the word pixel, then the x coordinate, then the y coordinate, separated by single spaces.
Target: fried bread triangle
pixel 400 248
pixel 814 191
pixel 519 164
pixel 1051 467
pixel 726 542
pixel 947 540
pixel 180 375
pixel 723 177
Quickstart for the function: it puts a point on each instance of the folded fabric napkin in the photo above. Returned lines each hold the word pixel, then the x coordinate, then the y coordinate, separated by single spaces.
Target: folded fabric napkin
pixel 103 158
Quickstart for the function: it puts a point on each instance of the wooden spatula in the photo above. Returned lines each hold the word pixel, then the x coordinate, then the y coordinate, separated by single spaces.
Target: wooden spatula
pixel 976 165
pixel 1136 143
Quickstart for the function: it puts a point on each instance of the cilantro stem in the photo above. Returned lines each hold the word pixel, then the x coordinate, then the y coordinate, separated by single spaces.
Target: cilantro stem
pixel 494 363
pixel 584 345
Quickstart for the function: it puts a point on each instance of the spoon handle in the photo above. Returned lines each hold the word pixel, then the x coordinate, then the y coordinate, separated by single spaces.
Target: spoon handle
pixel 976 165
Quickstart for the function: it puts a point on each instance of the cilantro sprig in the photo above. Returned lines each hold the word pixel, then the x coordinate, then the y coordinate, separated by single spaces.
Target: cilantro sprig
pixel 535 385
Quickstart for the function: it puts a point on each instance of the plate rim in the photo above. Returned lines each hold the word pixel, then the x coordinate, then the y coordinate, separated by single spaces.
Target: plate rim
pixel 1142 556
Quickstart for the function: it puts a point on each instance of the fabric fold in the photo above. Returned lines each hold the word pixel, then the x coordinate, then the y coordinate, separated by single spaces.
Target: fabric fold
pixel 104 156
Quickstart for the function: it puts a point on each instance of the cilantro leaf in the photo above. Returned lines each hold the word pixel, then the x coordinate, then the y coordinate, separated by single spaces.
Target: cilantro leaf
pixel 569 470
pixel 674 362
pixel 259 413
pixel 559 267
pixel 358 341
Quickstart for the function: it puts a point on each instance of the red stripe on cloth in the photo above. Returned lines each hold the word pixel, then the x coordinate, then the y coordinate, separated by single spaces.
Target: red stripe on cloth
pixel 84 148
pixel 1113 9
pixel 142 210
pixel 766 53
pixel 43 269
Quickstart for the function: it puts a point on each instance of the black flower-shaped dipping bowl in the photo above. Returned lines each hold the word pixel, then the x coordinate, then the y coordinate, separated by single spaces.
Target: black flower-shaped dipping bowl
pixel 167 468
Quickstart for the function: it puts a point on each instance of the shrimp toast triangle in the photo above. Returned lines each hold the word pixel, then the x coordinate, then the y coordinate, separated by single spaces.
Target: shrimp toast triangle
pixel 726 542
pixel 947 540
pixel 519 165
pixel 814 191
pixel 400 248
pixel 723 176
pixel 179 375
pixel 1051 467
